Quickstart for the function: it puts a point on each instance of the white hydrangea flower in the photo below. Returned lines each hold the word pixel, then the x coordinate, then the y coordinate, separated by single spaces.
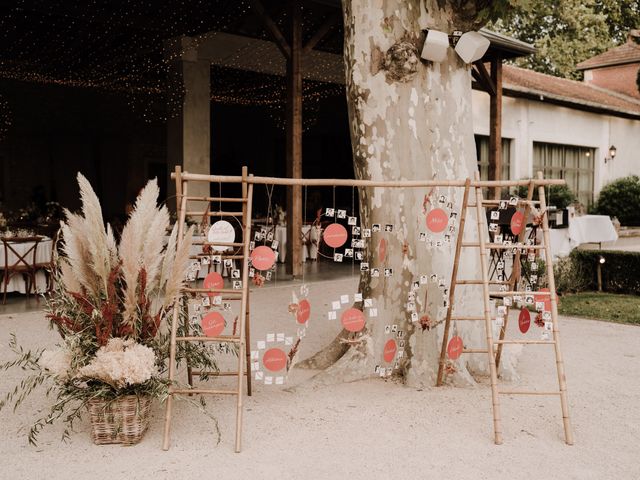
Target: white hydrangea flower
pixel 58 362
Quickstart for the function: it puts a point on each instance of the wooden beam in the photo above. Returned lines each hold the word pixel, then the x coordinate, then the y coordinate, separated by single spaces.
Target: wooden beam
pixel 272 28
pixel 294 141
pixel 329 23
pixel 481 75
pixel 495 126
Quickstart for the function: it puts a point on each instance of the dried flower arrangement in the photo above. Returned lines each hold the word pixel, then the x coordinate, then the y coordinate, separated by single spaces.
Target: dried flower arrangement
pixel 110 304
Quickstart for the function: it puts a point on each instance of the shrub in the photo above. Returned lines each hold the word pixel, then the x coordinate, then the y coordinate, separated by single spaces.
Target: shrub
pixel 578 272
pixel 621 198
pixel 560 196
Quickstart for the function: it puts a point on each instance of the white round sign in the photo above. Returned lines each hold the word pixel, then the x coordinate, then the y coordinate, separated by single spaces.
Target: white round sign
pixel 221 232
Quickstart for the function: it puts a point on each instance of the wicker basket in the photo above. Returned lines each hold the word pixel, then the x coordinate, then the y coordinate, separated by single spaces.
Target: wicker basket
pixel 123 420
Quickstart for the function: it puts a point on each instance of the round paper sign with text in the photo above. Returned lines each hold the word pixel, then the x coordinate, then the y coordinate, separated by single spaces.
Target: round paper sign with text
pixel 213 281
pixel 437 220
pixel 517 222
pixel 352 320
pixel 304 311
pixel 454 348
pixel 221 232
pixel 390 349
pixel 263 258
pixel 212 324
pixel 543 298
pixel 274 359
pixel 335 235
pixel 524 320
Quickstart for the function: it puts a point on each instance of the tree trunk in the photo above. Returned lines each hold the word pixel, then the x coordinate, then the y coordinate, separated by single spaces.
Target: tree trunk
pixel 410 119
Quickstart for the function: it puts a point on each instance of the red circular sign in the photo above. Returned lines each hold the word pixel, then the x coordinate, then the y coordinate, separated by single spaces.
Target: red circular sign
pixel 382 249
pixel 274 359
pixel 390 349
pixel 263 258
pixel 212 324
pixel 335 235
pixel 543 298
pixel 304 311
pixel 213 281
pixel 454 348
pixel 524 320
pixel 437 220
pixel 352 320
pixel 517 222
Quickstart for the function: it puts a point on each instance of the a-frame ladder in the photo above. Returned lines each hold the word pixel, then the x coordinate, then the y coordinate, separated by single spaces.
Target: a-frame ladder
pixel 239 338
pixel 493 347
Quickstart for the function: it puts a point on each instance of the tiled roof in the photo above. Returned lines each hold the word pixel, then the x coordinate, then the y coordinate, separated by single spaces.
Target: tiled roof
pixel 627 53
pixel 522 82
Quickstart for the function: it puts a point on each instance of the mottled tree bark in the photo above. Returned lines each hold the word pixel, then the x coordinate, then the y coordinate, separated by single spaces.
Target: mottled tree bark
pixel 410 119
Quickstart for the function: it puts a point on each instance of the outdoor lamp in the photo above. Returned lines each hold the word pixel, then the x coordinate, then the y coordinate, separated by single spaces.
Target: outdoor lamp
pixel 435 46
pixel 601 259
pixel 472 46
pixel 612 154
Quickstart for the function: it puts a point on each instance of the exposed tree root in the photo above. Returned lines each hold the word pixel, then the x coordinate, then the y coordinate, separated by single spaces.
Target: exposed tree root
pixel 328 355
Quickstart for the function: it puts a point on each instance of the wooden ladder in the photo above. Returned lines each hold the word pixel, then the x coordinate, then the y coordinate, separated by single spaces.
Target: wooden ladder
pixel 493 347
pixel 239 339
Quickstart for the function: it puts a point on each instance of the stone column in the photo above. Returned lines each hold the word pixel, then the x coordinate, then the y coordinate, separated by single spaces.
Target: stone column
pixel 189 129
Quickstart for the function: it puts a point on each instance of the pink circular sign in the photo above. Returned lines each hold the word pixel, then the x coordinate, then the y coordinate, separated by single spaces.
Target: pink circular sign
pixel 517 222
pixel 335 235
pixel 437 220
pixel 352 320
pixel 212 324
pixel 274 359
pixel 213 281
pixel 390 349
pixel 524 320
pixel 382 250
pixel 263 258
pixel 304 311
pixel 454 348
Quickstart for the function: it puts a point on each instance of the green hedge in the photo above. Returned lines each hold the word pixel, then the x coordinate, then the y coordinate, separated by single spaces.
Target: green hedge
pixel 621 198
pixel 620 272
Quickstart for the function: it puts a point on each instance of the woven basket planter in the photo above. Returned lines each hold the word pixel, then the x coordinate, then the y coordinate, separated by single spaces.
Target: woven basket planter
pixel 121 421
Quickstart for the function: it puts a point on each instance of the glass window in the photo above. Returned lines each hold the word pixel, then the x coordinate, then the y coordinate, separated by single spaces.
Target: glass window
pixel 573 164
pixel 482 153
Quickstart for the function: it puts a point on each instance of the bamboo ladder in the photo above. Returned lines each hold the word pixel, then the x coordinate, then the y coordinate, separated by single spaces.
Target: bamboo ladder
pixel 493 352
pixel 242 338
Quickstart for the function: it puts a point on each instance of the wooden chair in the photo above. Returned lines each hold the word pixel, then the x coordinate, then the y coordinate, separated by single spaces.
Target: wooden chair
pixel 22 263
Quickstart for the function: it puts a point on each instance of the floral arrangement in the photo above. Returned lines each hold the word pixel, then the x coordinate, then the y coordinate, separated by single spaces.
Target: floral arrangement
pixel 110 304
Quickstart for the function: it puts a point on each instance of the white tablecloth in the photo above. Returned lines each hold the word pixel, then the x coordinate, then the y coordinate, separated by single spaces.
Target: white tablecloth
pixel 43 255
pixel 584 229
pixel 311 239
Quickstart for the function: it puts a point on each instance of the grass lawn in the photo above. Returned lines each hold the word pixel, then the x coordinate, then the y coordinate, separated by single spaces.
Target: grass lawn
pixel 602 306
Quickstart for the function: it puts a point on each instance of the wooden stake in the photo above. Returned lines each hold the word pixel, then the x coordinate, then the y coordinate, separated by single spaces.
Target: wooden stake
pixel 497 422
pixel 452 285
pixel 562 383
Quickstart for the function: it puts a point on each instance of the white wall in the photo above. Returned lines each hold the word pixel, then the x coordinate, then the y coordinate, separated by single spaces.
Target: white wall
pixel 527 121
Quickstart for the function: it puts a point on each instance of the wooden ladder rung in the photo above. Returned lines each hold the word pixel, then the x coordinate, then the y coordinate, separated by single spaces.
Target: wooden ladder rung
pixel 216 199
pixel 218 291
pixel 526 342
pixel 217 244
pixel 500 246
pixel 469 318
pixel 222 256
pixel 511 292
pixel 479 282
pixel 475 350
pixel 221 338
pixel 214 214
pixel 201 391
pixel 521 392
pixel 216 374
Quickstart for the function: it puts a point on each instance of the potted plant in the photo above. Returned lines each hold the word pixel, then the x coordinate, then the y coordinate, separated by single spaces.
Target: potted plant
pixel 110 304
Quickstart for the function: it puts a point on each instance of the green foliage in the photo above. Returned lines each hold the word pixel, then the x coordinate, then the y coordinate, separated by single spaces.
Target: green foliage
pixel 560 196
pixel 621 198
pixel 578 272
pixel 602 306
pixel 569 31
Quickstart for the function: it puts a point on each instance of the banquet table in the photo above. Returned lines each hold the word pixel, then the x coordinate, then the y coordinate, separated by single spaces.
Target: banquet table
pixel 584 229
pixel 44 253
